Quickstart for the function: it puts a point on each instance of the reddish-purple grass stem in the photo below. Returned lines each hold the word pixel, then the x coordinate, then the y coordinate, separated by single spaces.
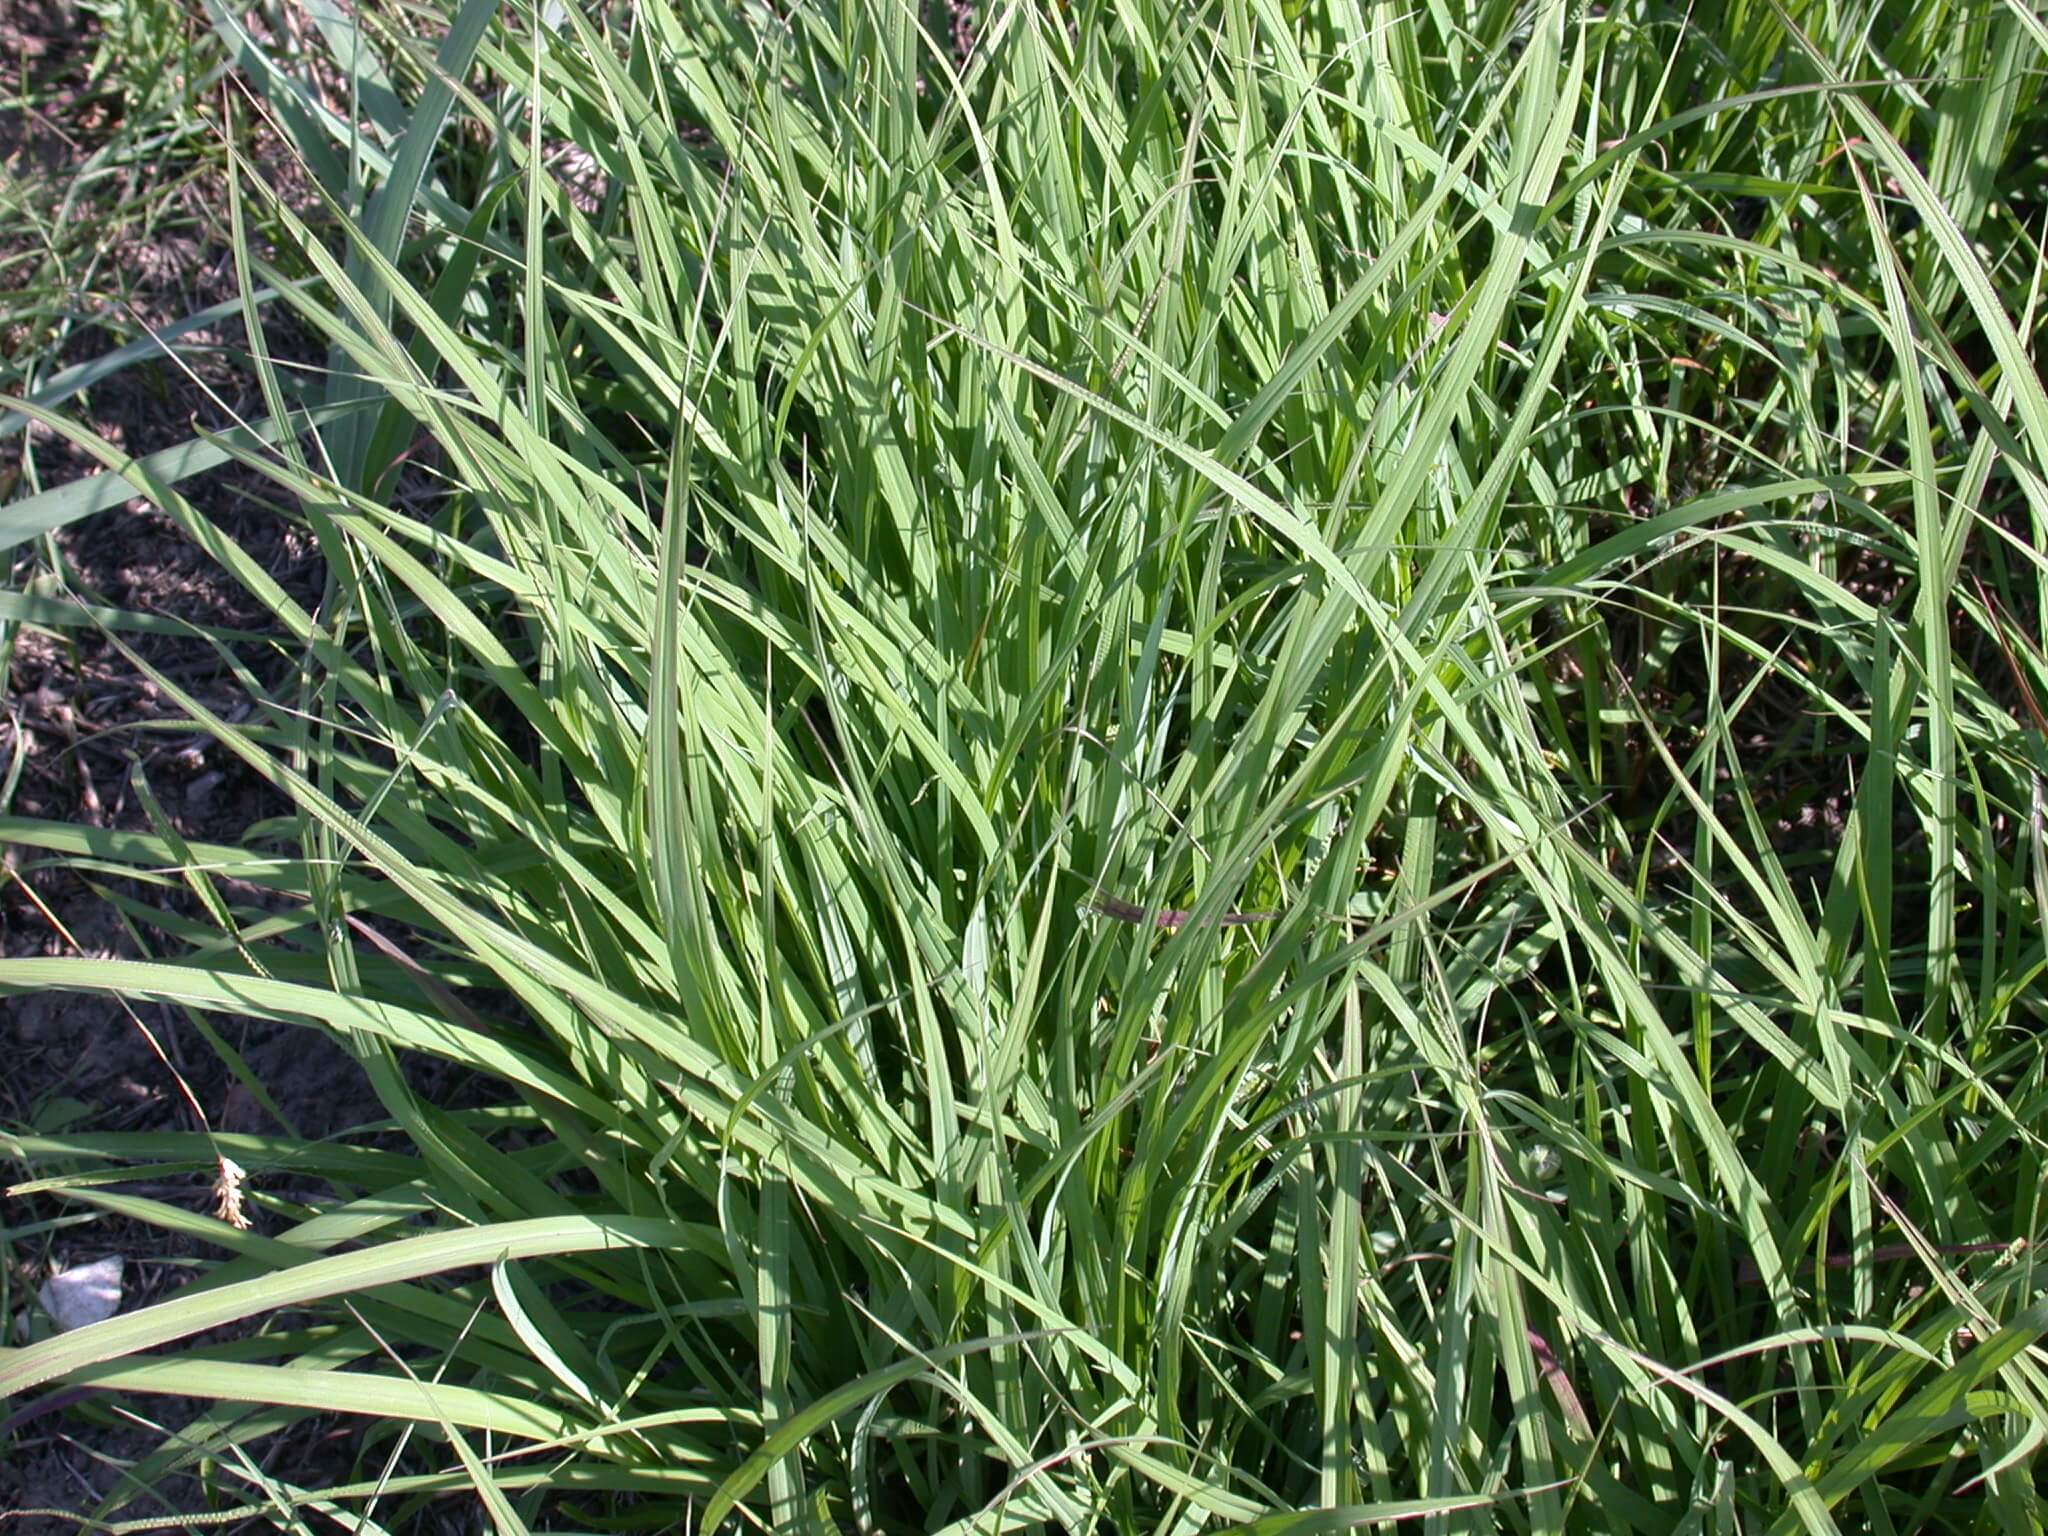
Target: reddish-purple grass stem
pixel 1126 912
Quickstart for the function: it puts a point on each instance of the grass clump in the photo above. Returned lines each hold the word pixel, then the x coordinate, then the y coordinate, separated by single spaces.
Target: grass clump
pixel 1549 511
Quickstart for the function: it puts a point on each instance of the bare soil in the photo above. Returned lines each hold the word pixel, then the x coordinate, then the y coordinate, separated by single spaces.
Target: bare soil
pixel 78 723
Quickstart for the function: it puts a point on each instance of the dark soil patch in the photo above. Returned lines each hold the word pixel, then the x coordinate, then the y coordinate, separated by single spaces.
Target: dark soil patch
pixel 79 723
pixel 40 46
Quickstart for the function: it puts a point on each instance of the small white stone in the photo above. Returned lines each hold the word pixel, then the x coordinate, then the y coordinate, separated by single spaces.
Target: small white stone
pixel 90 1293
